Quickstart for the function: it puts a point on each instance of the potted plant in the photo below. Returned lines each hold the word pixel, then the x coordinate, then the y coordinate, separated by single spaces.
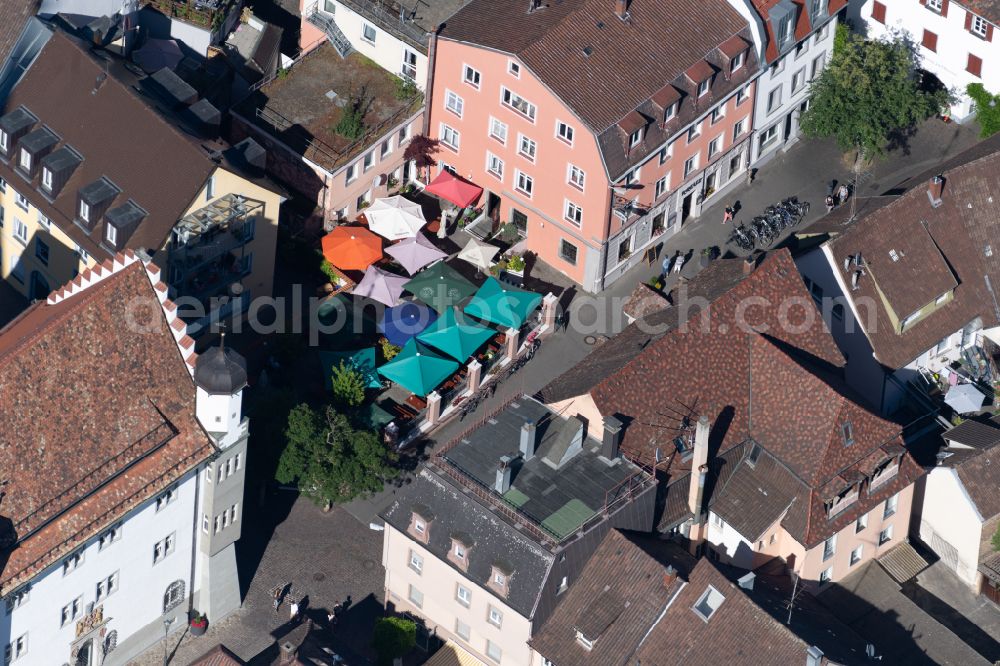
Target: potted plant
pixel 198 623
pixel 516 265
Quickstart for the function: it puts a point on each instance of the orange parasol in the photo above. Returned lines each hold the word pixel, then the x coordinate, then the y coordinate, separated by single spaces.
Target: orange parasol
pixel 352 248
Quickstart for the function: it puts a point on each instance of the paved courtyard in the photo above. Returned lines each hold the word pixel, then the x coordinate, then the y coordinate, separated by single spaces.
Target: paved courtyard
pixel 326 557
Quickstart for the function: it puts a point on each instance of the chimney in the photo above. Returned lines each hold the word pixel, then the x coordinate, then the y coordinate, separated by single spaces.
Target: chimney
pixel 749 264
pixel 746 581
pixel 621 9
pixel 289 652
pixel 699 468
pixel 934 190
pixel 502 484
pixel 669 576
pixel 814 656
pixel 529 439
pixel 612 437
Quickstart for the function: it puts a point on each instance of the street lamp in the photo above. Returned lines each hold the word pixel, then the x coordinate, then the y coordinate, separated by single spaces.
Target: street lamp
pixel 166 630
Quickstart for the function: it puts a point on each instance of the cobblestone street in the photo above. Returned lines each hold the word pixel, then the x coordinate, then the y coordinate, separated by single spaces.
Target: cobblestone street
pixel 326 557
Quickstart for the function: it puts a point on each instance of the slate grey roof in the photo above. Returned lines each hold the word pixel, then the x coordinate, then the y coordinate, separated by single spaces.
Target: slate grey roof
pixel 558 497
pixel 495 540
pixel 977 434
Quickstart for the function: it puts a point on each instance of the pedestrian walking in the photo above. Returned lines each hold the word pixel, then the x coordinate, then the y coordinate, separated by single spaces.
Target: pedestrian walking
pixel 295 610
pixel 276 593
pixel 830 203
pixel 666 265
pixel 727 216
pixel 678 263
pixel 842 194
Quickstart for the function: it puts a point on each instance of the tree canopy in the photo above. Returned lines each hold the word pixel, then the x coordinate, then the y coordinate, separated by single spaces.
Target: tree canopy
pixel 329 459
pixel 868 94
pixel 348 384
pixel 393 637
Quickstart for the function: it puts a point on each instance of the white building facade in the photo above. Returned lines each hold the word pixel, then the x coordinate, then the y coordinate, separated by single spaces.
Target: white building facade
pixel 954 43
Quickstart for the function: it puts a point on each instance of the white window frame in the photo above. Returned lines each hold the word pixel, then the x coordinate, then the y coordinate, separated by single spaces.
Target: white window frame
pixel 72 562
pixel 4 142
pixel 694 131
pixel 635 138
pixel 47 178
pixel 691 164
pixel 408 68
pixel 774 99
pixel 670 111
pixel 704 86
pixel 830 548
pixel 826 575
pixel 416 562
pixel 801 81
pixel 449 135
pixel 453 102
pixel 886 532
pixel 718 113
pixel 716 145
pixel 365 27
pixel 742 95
pixel 494 166
pixel 521 178
pixel 20 231
pixel 21 200
pixel 738 128
pixel 564 132
pixel 934 5
pixel 463 595
pixel 530 112
pixel 737 62
pixel 979 26
pixel 891 506
pixel 109 536
pixel 514 69
pixel 667 152
pixel 576 176
pixel 350 173
pixel 106 587
pixel 165 546
pixel 498 130
pixel 661 187
pixel 462 630
pixel 415 597
pixel 857 555
pixel 861 524
pixel 524 140
pixel 471 76
pixel 494 616
pixel 24 160
pixel 573 213
pixel 492 648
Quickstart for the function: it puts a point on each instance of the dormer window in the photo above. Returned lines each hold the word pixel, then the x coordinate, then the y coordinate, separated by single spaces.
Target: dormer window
pixel 111 235
pixel 886 470
pixel 459 551
pixel 419 526
pixel 25 160
pixel 703 87
pixel 4 141
pixel 847 430
pixel 499 580
pixel 47 178
pixel 737 62
pixel 84 211
pixel 785 29
pixel 670 111
pixel 634 138
pixel 584 641
pixel 844 499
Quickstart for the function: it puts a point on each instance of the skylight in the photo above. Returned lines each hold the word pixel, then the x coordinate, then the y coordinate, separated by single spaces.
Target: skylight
pixel 708 603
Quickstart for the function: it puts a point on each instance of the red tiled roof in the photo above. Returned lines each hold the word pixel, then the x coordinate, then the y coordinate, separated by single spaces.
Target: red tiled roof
pixel 621 588
pixel 86 396
pixel 803 25
pixel 988 9
pixel 654 47
pixel 734 46
pixel 963 229
pixel 219 656
pixel 700 71
pixel 738 632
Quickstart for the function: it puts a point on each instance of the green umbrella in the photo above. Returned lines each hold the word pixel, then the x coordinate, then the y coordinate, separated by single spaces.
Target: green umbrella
pixel 440 286
pixel 362 360
pixel 456 337
pixel 418 368
pixel 502 305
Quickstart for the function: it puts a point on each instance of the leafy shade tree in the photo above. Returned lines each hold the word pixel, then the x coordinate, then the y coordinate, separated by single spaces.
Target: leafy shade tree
pixel 330 460
pixel 987 109
pixel 348 385
pixel 421 150
pixel 869 93
pixel 393 637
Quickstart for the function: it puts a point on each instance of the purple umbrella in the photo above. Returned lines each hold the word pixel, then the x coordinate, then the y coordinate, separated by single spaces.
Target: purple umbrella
pixel 414 253
pixel 380 286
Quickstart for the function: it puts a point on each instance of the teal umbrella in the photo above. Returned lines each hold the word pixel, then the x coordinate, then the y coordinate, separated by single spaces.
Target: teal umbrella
pixel 440 286
pixel 455 335
pixel 418 368
pixel 362 360
pixel 502 305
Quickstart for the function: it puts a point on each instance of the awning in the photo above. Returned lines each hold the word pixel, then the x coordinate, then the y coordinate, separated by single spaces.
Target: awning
pixel 504 306
pixel 451 188
pixel 456 336
pixel 418 368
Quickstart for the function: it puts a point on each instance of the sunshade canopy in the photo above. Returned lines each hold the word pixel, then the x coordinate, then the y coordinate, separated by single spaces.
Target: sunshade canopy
pixel 479 254
pixel 451 188
pixel 440 287
pixel 456 336
pixel 352 248
pixel 502 305
pixel 964 398
pixel 381 286
pixel 418 368
pixel 395 217
pixel 414 253
pixel 404 321
pixel 362 360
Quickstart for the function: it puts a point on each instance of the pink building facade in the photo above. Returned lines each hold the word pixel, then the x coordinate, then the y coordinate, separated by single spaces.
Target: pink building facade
pixel 593 188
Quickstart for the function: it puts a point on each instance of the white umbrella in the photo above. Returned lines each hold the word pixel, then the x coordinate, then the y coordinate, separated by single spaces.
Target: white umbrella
pixel 479 254
pixel 380 286
pixel 964 398
pixel 395 217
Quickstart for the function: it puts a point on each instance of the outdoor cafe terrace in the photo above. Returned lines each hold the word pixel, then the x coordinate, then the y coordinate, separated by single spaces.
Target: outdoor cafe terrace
pixel 425 321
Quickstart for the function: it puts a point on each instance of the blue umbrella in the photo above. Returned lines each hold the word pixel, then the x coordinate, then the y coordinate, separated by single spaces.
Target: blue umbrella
pixel 404 321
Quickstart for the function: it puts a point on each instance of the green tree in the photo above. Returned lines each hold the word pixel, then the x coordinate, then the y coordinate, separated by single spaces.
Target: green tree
pixel 393 637
pixel 868 94
pixel 987 109
pixel 329 459
pixel 996 539
pixel 352 119
pixel 348 384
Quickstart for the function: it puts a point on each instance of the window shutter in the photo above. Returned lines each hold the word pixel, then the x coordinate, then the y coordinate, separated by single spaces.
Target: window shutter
pixel 923 2
pixel 944 7
pixel 929 41
pixel 968 20
pixel 975 65
pixel 878 11
pixel 989 32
